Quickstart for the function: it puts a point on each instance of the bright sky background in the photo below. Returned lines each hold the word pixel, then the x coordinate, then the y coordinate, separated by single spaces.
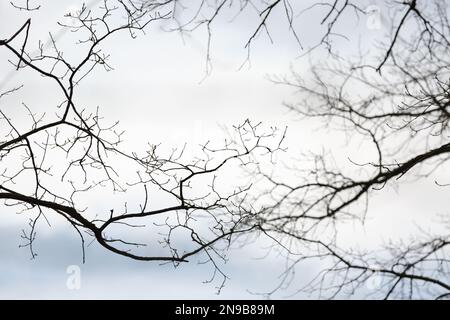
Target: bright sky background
pixel 159 93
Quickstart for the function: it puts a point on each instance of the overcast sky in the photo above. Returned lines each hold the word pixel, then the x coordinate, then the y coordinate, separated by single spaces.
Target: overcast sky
pixel 159 92
pixel 171 104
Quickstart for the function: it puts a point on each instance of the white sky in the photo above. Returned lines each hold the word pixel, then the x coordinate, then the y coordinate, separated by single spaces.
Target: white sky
pixel 157 93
